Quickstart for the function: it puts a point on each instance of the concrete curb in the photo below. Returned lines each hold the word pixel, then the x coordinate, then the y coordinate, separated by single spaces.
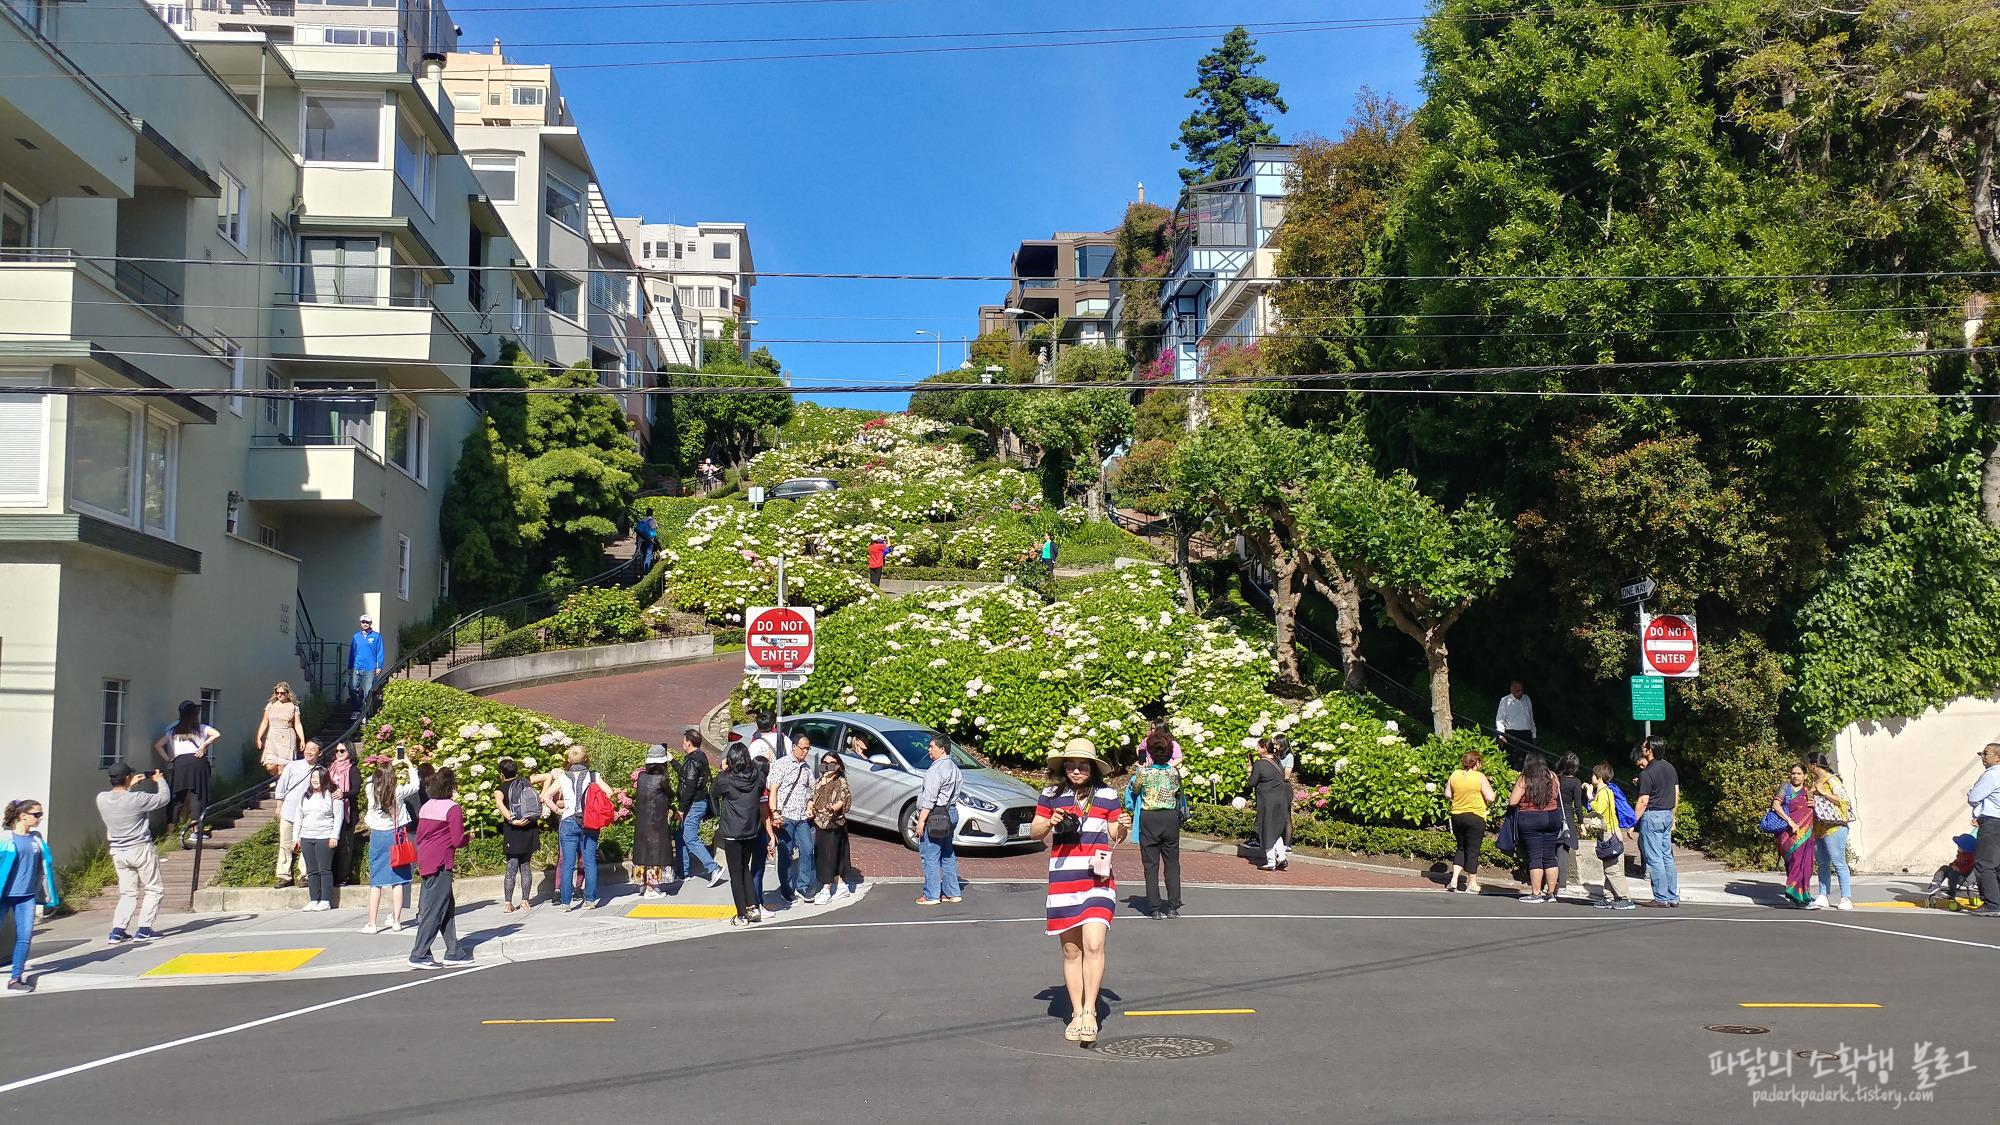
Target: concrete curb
pixel 269 900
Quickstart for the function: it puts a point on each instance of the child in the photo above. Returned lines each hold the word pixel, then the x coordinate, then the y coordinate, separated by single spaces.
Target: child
pixel 1952 876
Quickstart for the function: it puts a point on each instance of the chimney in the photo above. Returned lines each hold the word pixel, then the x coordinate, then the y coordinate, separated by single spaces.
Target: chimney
pixel 433 64
pixel 1142 191
pixel 496 46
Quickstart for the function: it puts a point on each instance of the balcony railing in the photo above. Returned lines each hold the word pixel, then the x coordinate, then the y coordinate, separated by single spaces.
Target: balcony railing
pixel 147 291
pixel 257 7
pixel 296 440
pixel 1038 283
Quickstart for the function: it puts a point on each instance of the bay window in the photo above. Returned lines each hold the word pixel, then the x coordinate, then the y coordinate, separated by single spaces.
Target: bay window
pixel 416 164
pixel 337 271
pixel 122 459
pixel 407 445
pixel 343 130
pixel 496 172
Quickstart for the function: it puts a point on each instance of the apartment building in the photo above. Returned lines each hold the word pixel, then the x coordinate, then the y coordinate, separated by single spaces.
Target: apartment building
pixel 1059 279
pixel 202 211
pixel 1218 283
pixel 413 28
pixel 711 271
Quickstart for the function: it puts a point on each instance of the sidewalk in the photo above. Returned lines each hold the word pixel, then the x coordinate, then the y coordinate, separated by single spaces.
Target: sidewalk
pixel 70 953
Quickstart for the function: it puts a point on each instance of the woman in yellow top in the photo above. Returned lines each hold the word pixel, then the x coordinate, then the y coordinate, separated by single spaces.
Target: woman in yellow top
pixel 1470 794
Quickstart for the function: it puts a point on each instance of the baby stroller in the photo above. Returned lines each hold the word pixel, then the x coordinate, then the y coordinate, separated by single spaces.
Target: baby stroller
pixel 1947 884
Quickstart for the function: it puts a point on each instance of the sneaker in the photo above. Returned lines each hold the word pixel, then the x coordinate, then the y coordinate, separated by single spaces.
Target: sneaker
pixel 372 928
pixel 1173 911
pixel 715 877
pixel 1982 912
pixel 147 933
pixel 462 959
pixel 1532 898
pixel 1818 903
pixel 20 986
pixel 1472 887
pixel 280 884
pixel 953 898
pixel 756 914
pixel 426 963
pixel 1846 903
pixel 927 902
pixel 842 890
pixel 824 896
pixel 396 927
pixel 1625 904
pixel 118 937
pixel 739 920
pixel 572 906
pixel 1603 904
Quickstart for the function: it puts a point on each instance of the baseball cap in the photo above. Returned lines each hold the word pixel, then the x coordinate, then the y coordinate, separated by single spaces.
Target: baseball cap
pixel 121 773
pixel 367 620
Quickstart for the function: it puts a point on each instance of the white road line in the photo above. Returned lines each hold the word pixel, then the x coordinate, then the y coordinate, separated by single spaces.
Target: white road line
pixel 1901 933
pixel 219 1032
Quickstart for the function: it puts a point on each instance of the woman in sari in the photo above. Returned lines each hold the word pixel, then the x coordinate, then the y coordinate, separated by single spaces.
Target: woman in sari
pixel 1795 843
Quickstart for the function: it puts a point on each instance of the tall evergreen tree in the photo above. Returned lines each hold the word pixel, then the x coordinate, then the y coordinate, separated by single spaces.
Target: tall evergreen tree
pixel 1233 98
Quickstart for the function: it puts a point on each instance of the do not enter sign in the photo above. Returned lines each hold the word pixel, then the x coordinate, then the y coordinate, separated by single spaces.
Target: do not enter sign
pixel 1668 646
pixel 778 641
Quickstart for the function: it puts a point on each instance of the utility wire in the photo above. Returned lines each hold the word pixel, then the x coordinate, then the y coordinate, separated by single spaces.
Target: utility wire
pixel 1344 381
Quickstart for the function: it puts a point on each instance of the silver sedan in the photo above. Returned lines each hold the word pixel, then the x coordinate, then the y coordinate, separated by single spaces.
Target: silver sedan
pixel 994 808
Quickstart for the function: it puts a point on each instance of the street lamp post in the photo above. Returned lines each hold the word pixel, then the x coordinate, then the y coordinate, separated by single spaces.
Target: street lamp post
pixel 939 368
pixel 743 328
pixel 1012 311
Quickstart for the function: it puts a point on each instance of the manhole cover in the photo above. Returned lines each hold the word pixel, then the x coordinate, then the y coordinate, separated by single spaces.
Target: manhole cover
pixel 1737 1028
pixel 1150 1047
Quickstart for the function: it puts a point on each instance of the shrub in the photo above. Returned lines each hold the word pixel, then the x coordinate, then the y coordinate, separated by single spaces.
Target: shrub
pixel 1224 822
pixel 607 615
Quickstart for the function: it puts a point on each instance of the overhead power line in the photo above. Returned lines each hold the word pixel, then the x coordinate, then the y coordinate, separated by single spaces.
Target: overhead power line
pixel 1342 381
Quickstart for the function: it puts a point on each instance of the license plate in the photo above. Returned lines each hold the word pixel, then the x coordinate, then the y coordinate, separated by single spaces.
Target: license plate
pixel 1020 830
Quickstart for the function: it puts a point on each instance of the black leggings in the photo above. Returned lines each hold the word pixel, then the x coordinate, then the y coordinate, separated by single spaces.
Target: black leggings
pixel 319 869
pixel 737 854
pixel 1469 830
pixel 830 856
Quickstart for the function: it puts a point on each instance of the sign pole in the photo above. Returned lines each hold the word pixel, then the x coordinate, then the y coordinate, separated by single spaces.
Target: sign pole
pixel 780 717
pixel 1642 655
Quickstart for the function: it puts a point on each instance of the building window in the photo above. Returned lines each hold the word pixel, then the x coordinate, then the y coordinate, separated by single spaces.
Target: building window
pixel 403 567
pixel 408 287
pixel 719 250
pixel 232 353
pixel 335 420
pixel 24 428
pixel 284 244
pixel 407 445
pixel 211 705
pixel 343 130
pixel 563 203
pixel 232 514
pixel 562 295
pixel 465 106
pixel 677 251
pixel 17 224
pixel 416 164
pixel 267 536
pixel 530 95
pixel 1092 262
pixel 1270 212
pixel 274 408
pixel 520 311
pixel 608 292
pixel 705 297
pixel 1094 306
pixel 496 173
pixel 122 460
pixel 337 271
pixel 111 745
pixel 229 207
pixel 685 294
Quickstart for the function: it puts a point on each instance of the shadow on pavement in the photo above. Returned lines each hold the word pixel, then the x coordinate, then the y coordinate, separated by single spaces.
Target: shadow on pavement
pixel 102 953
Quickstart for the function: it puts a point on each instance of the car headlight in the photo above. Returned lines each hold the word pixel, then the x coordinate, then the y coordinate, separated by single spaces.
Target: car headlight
pixel 980 803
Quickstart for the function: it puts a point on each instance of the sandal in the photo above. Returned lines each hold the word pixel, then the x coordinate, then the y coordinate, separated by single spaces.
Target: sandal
pixel 1087 1034
pixel 1074 1032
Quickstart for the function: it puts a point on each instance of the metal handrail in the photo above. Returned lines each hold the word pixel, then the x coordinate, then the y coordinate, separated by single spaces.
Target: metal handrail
pixel 450 633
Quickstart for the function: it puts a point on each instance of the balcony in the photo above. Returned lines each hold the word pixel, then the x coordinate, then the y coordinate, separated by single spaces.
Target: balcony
pixel 57 306
pixel 65 129
pixel 413 342
pixel 316 475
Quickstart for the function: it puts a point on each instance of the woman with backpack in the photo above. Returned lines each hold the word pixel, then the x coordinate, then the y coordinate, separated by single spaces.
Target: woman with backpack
pixel 1154 798
pixel 652 824
pixel 566 797
pixel 388 821
pixel 1832 810
pixel 1600 831
pixel 740 788
pixel 1537 810
pixel 520 832
pixel 692 793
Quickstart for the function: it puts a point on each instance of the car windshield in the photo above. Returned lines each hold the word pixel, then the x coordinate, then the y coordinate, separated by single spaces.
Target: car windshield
pixel 914 746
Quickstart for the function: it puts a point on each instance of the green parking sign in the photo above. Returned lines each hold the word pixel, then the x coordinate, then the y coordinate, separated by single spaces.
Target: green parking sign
pixel 1649 699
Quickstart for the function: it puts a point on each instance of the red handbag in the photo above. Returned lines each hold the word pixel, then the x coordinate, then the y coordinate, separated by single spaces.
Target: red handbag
pixel 402 853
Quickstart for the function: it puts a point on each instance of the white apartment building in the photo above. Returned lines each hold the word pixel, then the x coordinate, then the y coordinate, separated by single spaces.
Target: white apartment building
pixel 414 28
pixel 710 268
pixel 208 211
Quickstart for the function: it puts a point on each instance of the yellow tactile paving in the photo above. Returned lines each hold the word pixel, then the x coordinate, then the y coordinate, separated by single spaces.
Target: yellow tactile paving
pixel 231 964
pixel 670 910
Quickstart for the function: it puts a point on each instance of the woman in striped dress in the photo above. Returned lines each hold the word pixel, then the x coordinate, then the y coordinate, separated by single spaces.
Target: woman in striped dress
pixel 1082 819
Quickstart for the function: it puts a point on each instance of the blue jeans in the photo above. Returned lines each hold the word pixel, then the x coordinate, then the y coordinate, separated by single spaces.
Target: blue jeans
pixel 1656 844
pixel 576 843
pixel 22 910
pixel 1832 849
pixel 692 848
pixel 795 875
pixel 940 864
pixel 360 685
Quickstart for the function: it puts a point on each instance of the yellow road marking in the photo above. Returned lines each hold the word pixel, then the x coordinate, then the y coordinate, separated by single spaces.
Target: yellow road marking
pixel 1888 905
pixel 228 964
pixel 1197 1012
pixel 1787 1003
pixel 664 910
pixel 592 1019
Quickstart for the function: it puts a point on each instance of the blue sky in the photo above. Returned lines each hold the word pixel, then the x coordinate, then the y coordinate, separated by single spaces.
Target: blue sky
pixel 933 163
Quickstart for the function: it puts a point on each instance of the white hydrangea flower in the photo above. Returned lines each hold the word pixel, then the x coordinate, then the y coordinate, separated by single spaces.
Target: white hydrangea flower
pixel 1430 786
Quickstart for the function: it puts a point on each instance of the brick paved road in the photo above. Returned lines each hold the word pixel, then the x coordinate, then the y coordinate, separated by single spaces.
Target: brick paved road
pixel 653 706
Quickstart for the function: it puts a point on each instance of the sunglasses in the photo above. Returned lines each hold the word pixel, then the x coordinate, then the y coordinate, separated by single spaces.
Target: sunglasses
pixel 1073 767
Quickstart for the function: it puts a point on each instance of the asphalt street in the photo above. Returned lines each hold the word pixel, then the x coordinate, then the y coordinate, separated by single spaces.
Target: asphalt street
pixel 1363 1006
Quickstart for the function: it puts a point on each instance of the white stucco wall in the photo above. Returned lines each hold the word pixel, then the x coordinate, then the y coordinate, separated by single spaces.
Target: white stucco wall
pixel 1909 778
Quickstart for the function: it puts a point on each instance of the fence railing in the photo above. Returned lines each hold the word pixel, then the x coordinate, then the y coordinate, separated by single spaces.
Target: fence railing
pixel 471 637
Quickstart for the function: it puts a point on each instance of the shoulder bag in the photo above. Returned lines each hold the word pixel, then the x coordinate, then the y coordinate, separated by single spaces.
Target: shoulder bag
pixel 1830 810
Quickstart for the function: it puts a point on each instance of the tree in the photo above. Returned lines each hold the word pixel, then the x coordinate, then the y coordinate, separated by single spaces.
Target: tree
pixel 1072 429
pixel 1139 249
pixel 1427 565
pixel 1092 363
pixel 1232 99
pixel 1148 480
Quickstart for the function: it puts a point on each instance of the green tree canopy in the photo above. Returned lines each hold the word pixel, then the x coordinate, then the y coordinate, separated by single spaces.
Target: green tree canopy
pixel 1232 99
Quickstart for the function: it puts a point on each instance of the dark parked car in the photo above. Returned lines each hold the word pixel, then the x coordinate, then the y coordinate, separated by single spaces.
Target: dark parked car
pixel 798 488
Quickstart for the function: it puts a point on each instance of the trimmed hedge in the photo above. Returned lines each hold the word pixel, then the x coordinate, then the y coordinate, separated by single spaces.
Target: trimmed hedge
pixel 939 574
pixel 1226 823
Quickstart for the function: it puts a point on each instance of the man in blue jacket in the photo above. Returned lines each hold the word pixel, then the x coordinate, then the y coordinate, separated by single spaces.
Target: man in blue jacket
pixel 365 665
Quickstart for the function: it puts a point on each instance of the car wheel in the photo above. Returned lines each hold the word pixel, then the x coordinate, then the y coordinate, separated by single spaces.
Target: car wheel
pixel 908 823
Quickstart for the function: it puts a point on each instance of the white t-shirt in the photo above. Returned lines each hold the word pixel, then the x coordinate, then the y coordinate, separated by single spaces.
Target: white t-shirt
pixel 184 744
pixel 764 745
